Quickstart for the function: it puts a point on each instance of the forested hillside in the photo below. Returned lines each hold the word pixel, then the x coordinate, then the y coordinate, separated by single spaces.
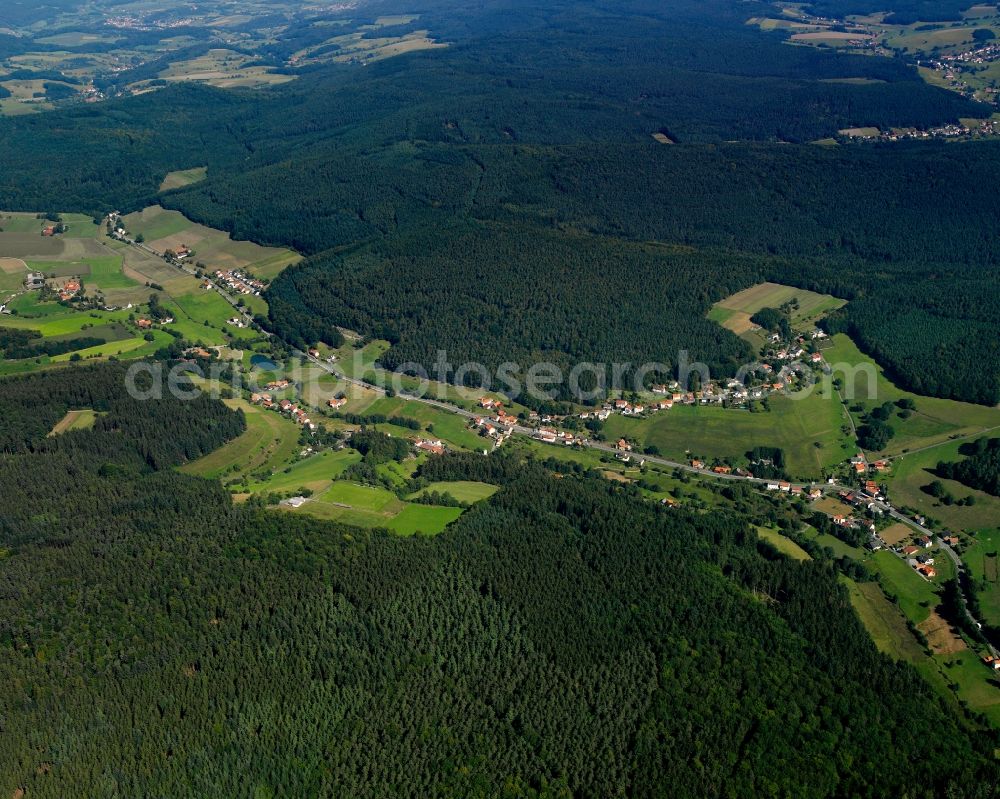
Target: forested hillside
pixel 562 639
pixel 540 117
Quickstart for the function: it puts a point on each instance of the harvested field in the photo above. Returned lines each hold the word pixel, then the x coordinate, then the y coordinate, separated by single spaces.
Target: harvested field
pixel 894 534
pixel 940 636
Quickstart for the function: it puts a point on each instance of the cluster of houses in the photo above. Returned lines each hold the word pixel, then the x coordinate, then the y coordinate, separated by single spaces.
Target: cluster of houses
pixel 951 67
pixel 69 290
pixel 238 282
pixel 987 128
pixel 861 466
pixel 499 426
pixel 285 406
pixel 731 392
pixel 812 493
pixel 917 559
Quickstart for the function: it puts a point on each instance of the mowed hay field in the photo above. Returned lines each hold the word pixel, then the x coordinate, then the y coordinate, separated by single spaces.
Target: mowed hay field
pixel 934 421
pixel 895 533
pixel 796 426
pixel 734 312
pixel 169 230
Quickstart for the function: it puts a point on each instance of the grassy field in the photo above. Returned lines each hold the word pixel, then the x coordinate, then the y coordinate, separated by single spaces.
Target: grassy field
pixel 916 596
pixel 784 545
pixel 839 548
pixel 934 420
pixel 368 506
pixel 183 177
pixel 315 473
pixel 983 560
pixel 423 519
pixel 269 442
pixel 225 69
pixel 462 490
pixel 734 312
pixel 884 621
pixel 888 629
pixel 119 336
pixel 715 432
pixel 912 472
pixel 449 427
pixel 362 46
pixel 75 420
pixel 976 684
pixel 164 230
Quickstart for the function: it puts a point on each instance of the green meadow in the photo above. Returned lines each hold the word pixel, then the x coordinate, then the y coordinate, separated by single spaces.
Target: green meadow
pixel 914 594
pixel 269 442
pixel 912 472
pixel 810 431
pixel 462 490
pixel 934 420
pixel 784 545
pixel 164 230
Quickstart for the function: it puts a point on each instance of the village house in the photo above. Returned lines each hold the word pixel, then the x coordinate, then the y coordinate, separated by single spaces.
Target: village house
pixel 435 447
pixel 144 324
pixel 337 402
pixel 697 464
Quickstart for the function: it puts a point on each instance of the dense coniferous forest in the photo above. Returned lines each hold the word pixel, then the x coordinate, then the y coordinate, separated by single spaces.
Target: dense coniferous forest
pixel 564 638
pixel 561 146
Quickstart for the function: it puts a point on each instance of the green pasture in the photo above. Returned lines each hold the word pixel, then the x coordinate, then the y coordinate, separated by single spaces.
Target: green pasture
pixel 710 431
